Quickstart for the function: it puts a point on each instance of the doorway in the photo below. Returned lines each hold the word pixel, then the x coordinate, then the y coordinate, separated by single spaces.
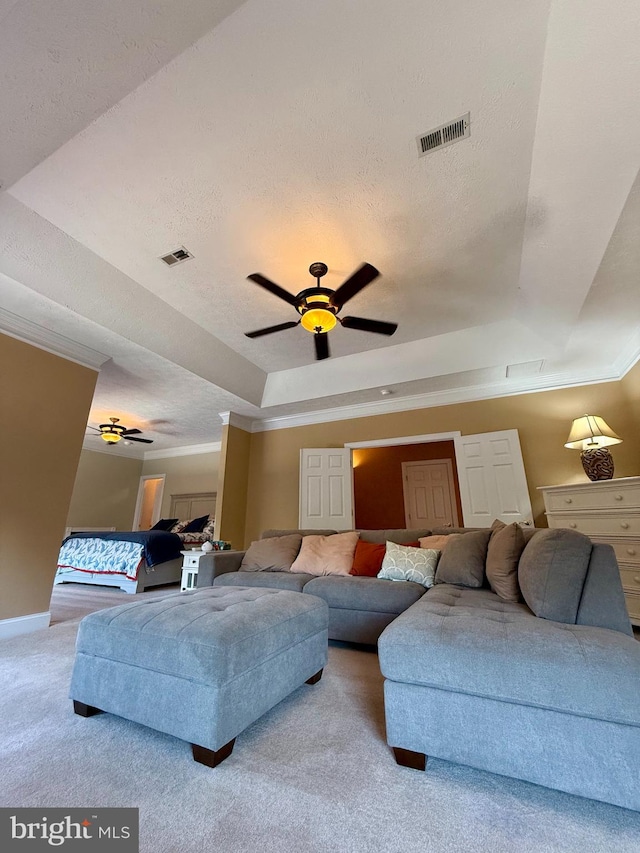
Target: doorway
pixel 429 494
pixel 149 501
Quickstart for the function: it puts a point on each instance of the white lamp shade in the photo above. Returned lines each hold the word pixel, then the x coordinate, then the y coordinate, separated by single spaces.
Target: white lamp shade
pixel 590 432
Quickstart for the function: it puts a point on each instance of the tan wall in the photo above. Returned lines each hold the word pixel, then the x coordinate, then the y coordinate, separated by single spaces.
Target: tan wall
pixel 105 491
pixel 232 486
pixel 184 475
pixel 542 419
pixel 44 406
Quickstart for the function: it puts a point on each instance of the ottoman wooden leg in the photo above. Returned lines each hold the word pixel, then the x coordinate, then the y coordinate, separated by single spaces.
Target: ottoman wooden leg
pixel 85 710
pixel 409 758
pixel 314 678
pixel 212 757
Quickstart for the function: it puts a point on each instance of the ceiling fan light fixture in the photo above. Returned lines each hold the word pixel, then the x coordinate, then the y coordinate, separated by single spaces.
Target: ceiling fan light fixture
pixel 111 437
pixel 318 319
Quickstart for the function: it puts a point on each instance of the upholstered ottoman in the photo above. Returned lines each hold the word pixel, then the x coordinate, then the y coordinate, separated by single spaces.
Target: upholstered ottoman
pixel 201 666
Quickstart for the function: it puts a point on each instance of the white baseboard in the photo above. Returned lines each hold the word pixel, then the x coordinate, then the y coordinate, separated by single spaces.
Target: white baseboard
pixel 24 624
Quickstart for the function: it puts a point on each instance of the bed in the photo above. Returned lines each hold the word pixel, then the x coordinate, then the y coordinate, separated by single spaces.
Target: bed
pixel 132 561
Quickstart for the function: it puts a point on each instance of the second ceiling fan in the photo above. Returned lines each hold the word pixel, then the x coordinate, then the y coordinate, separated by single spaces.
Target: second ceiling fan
pixel 319 306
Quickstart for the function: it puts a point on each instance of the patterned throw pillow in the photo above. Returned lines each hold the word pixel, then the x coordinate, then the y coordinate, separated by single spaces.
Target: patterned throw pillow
pixel 403 563
pixel 179 526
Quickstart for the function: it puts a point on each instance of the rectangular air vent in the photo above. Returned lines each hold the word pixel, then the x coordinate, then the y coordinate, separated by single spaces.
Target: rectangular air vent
pixel 176 257
pixel 444 135
pixel 524 369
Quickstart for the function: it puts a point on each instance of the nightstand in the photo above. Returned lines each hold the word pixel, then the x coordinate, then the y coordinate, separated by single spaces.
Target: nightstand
pixel 190 566
pixel 607 511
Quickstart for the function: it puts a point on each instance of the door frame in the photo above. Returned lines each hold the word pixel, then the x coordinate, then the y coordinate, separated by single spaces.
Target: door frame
pixel 157 503
pixel 405 494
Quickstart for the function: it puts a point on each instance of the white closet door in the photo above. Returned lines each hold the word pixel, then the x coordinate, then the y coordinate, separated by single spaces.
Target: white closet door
pixel 492 479
pixel 326 488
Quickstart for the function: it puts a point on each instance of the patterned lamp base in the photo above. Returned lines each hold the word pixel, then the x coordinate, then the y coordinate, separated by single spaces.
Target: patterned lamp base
pixel 598 463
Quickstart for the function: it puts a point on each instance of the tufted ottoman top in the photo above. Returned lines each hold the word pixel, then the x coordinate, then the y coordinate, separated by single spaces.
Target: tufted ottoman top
pixel 471 641
pixel 211 635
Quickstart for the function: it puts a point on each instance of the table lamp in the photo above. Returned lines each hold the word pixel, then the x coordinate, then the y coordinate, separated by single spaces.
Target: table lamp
pixel 592 436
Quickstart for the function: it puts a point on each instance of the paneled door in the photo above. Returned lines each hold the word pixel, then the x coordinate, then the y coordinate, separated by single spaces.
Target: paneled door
pixel 429 494
pixel 492 479
pixel 326 488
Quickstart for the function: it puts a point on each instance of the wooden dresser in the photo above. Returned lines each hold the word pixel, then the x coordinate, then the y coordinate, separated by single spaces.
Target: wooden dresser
pixel 606 511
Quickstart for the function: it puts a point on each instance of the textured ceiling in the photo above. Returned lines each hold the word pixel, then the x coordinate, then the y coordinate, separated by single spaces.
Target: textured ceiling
pixel 267 135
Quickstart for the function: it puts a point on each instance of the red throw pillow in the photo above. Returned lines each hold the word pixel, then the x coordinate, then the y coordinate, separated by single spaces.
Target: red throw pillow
pixel 367 559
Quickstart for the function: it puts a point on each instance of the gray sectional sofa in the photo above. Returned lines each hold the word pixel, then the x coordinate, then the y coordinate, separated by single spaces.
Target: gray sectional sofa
pixel 552 698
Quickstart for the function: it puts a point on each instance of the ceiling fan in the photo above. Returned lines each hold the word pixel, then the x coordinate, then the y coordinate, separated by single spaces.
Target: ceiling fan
pixel 319 306
pixel 114 431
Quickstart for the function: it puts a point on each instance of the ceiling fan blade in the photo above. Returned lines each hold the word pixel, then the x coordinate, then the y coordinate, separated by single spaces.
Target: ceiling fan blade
pixel 141 440
pixel 378 326
pixel 274 288
pixel 322 345
pixel 95 428
pixel 279 328
pixel 132 432
pixel 348 289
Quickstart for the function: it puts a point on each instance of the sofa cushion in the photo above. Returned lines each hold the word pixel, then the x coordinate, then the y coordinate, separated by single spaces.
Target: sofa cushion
pixel 503 555
pixel 470 641
pixel 402 563
pixel 438 542
pixel 326 555
pixel 463 560
pixel 552 571
pixel 401 536
pixel 271 555
pixel 367 558
pixel 365 594
pixel 272 580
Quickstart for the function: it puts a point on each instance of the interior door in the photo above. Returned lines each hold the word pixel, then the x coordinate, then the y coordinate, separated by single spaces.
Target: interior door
pixel 326 488
pixel 429 493
pixel 492 479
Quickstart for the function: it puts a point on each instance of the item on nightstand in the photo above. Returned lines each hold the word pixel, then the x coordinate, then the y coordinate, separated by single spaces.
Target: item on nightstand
pixel 592 436
pixel 207 546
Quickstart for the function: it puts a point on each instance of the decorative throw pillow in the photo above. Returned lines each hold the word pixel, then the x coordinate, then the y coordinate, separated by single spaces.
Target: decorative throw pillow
pixel 503 555
pixel 326 555
pixel 552 571
pixel 275 554
pixel 463 560
pixel 179 526
pixel 164 524
pixel 367 559
pixel 404 563
pixel 438 541
pixel 210 527
pixel 196 525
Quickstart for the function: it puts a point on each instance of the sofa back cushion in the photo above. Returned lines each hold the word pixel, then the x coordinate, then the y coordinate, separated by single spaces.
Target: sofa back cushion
pixel 463 560
pixel 503 555
pixel 326 555
pixel 552 571
pixel 275 554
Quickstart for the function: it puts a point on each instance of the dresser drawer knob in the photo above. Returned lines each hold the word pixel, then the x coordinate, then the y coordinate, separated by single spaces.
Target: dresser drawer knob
pixel 619 497
pixel 568 500
pixel 572 524
pixel 624 525
pixel 631 551
pixel 636 578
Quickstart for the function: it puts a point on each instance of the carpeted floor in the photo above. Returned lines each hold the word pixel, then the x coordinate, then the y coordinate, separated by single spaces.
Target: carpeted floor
pixel 314 774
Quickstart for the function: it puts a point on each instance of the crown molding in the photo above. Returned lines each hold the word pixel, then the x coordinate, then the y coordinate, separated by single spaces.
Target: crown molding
pixel 236 420
pixel 46 339
pixel 468 394
pixel 187 450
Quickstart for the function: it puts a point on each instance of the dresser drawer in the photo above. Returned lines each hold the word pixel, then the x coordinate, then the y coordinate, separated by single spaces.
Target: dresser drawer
pixel 633 606
pixel 630 580
pixel 191 561
pixel 627 553
pixel 599 524
pixel 605 496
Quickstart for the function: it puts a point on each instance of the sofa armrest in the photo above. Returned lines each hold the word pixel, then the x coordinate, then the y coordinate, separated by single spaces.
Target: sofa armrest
pixel 218 563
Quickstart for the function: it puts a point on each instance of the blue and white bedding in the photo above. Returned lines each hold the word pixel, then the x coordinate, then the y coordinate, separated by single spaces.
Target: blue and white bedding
pixel 117 553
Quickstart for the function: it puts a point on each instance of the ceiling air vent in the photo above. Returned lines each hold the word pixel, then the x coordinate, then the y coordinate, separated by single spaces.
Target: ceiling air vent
pixel 444 135
pixel 176 257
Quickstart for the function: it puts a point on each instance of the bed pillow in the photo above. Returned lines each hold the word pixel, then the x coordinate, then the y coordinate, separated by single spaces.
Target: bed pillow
pixel 164 524
pixel 196 525
pixel 179 526
pixel 463 560
pixel 503 555
pixel 404 563
pixel 367 558
pixel 326 555
pixel 209 528
pixel 274 554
